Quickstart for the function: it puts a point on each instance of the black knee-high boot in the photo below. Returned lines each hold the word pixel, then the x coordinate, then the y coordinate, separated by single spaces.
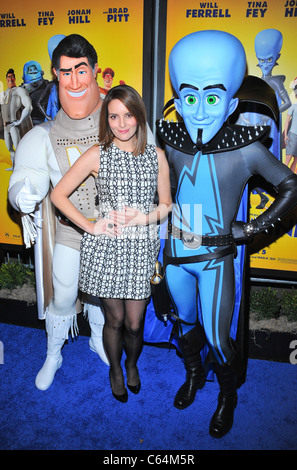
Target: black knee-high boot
pixel 190 345
pixel 222 419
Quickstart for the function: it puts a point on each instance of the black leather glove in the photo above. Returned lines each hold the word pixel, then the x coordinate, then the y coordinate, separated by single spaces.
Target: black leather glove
pixel 238 233
pixel 284 202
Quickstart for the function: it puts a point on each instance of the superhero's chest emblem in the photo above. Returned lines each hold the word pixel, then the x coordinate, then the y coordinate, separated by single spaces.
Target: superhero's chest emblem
pixel 198 203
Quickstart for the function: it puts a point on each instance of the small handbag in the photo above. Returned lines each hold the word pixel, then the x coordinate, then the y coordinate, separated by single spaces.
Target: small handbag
pixel 160 296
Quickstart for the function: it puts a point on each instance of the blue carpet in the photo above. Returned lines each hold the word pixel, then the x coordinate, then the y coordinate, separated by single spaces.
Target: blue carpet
pixel 78 412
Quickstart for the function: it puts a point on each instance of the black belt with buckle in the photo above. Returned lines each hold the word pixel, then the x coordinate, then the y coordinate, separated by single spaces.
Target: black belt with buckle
pixel 64 221
pixel 192 240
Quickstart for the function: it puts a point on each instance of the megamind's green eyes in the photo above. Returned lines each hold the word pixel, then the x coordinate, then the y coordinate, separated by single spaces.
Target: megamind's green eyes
pixel 191 100
pixel 212 99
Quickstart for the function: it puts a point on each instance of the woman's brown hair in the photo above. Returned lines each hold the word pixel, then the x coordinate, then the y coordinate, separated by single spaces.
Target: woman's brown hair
pixel 134 103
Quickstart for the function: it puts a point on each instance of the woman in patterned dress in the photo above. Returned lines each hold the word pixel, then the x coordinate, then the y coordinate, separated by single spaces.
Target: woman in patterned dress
pixel 119 250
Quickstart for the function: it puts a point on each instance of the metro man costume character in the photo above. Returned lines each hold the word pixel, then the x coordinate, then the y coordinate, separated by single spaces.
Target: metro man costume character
pixel 212 162
pixel 42 157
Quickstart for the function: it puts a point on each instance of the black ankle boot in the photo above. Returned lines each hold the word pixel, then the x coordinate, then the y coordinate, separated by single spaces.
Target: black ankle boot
pixel 185 396
pixel 195 378
pixel 222 420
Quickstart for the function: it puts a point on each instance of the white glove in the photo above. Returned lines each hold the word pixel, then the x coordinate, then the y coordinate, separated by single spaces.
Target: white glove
pixel 27 198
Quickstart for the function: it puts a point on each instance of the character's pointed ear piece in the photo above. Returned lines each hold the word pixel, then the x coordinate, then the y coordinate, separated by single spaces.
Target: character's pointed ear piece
pixel 232 106
pixel 172 102
pixel 178 107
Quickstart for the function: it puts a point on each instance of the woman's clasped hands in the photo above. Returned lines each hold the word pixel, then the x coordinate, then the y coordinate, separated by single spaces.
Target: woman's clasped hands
pixel 117 220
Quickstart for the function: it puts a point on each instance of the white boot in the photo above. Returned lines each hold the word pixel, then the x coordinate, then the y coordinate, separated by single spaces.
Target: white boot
pixel 96 321
pixel 57 328
pixel 53 362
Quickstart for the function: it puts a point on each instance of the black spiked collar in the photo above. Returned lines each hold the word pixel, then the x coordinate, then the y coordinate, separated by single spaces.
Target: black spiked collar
pixel 230 137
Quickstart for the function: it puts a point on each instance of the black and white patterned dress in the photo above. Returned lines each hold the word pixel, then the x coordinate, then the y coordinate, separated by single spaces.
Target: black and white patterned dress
pixel 122 267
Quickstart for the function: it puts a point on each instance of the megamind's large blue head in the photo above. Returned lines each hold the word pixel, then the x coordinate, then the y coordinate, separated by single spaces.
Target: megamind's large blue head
pixel 206 69
pixel 53 42
pixel 32 72
pixel 268 44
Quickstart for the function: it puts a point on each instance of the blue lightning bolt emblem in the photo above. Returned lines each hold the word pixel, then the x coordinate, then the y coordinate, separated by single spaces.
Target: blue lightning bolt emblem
pixel 199 185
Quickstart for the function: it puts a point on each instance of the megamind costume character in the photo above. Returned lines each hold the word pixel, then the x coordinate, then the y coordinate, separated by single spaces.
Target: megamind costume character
pixel 212 162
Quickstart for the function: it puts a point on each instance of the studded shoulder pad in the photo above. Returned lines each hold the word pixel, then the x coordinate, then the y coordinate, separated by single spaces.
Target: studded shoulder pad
pixel 230 137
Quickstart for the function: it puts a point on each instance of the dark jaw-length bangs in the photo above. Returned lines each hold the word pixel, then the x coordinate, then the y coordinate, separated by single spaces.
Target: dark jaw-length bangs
pixel 133 102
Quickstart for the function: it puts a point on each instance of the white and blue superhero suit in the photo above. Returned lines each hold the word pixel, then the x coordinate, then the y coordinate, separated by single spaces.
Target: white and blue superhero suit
pixel 212 162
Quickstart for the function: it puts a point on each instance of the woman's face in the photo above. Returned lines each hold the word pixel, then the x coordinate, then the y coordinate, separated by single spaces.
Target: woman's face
pixel 121 122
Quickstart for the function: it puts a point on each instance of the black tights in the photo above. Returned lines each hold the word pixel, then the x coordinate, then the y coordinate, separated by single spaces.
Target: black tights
pixel 123 329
